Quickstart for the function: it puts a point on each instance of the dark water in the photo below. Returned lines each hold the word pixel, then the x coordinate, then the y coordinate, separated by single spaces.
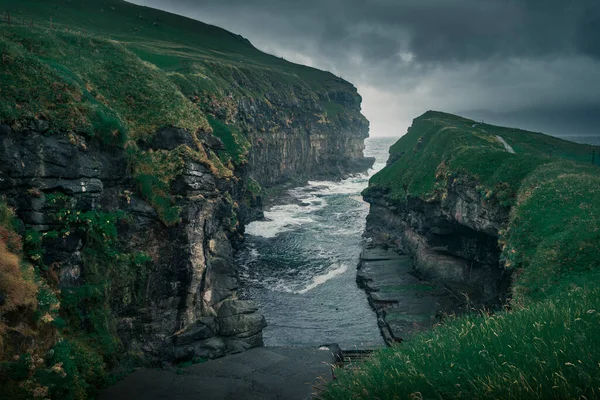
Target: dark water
pixel 300 266
pixel 582 139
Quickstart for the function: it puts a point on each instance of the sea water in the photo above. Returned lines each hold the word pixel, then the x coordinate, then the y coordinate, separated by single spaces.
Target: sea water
pixel 299 264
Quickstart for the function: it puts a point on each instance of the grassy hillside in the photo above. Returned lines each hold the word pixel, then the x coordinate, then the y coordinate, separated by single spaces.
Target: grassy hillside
pixel 118 72
pixel 547 351
pixel 446 146
pixel 550 184
pixel 546 347
pixel 113 65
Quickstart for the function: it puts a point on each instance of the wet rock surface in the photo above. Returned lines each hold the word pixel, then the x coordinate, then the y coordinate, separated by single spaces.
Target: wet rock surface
pixel 174 315
pixel 427 258
pixel 404 303
pixel 261 373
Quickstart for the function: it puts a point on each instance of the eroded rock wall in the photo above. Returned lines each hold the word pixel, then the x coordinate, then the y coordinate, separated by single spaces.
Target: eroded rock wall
pixel 453 240
pixel 301 135
pixel 185 304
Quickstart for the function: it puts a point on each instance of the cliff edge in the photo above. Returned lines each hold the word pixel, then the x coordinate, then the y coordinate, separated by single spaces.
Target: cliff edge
pixel 134 146
pixel 471 204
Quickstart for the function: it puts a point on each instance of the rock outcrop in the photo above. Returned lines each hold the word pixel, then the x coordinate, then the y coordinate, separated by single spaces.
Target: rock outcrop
pixel 453 241
pixel 185 305
pixel 449 250
pixel 303 142
pixel 177 310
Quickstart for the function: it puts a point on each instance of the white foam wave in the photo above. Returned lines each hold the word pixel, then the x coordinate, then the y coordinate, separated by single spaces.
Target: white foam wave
pixel 281 219
pixel 321 279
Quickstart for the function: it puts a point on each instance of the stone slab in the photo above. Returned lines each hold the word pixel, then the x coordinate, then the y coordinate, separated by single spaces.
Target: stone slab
pixel 260 373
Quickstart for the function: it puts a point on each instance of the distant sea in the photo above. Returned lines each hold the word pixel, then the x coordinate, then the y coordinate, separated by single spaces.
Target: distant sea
pixel 583 139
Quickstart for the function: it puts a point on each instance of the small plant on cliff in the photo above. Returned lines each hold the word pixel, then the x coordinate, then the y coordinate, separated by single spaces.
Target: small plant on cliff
pixel 236 145
pixel 154 171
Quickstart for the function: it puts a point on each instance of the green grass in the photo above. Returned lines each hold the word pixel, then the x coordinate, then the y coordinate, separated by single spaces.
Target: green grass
pixel 448 147
pixel 140 63
pixel 547 351
pixel 553 236
pixel 87 84
pixel 547 346
pixel 118 72
pixel 236 145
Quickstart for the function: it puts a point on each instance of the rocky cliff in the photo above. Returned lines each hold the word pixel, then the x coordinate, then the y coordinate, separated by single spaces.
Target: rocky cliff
pixel 131 179
pixel 180 303
pixel 451 200
pixel 444 254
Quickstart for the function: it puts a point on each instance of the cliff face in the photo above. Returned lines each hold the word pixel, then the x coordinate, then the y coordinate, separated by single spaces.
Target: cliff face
pixel 182 303
pixel 133 169
pixel 294 133
pixel 469 210
pixel 299 139
pixel 453 242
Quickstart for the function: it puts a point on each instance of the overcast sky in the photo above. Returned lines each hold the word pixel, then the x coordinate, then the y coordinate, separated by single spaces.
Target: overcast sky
pixel 534 64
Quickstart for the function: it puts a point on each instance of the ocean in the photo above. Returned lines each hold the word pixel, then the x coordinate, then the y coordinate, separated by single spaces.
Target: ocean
pixel 300 264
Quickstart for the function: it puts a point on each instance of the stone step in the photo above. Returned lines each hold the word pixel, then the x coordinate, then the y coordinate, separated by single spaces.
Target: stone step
pixel 260 373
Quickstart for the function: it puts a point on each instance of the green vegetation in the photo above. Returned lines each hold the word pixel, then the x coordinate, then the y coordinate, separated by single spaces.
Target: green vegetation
pixel 115 73
pixel 114 66
pixel 546 346
pixel 547 351
pixel 236 145
pixel 554 230
pixel 76 344
pixel 118 72
pixel 553 237
pixel 449 148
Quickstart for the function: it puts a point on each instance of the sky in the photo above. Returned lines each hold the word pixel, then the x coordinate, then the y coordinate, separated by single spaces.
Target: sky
pixel 532 64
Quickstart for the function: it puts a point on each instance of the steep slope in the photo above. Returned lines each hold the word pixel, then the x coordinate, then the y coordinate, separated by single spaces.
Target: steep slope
pixel 472 214
pixel 191 69
pixel 459 198
pixel 134 145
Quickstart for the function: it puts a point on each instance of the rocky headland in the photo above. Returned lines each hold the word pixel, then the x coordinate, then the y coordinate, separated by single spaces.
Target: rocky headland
pixel 125 186
pixel 438 231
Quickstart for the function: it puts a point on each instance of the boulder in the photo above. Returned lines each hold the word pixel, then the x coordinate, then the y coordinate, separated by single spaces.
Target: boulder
pixel 211 140
pixel 198 331
pixel 239 318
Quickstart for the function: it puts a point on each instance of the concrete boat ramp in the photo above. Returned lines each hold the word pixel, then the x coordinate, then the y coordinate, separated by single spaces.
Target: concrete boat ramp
pixel 260 373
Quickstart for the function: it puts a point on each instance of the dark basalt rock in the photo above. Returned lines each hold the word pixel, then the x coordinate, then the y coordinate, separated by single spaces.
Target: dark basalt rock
pixel 448 245
pixel 170 138
pixel 211 140
pixel 203 329
pixel 193 271
pixel 187 306
pixel 238 318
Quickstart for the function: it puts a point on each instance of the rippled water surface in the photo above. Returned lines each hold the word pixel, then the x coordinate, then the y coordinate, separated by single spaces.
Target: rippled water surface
pixel 300 265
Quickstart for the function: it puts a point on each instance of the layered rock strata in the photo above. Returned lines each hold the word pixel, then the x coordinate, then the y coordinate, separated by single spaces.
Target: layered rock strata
pixel 439 256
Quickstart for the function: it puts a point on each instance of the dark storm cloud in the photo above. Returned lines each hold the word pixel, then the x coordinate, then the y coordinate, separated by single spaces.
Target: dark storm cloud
pixel 407 56
pixel 433 30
